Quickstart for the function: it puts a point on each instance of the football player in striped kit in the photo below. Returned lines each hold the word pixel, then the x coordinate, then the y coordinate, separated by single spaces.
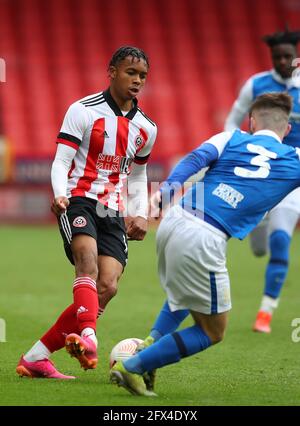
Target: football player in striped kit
pixel 102 150
pixel 277 229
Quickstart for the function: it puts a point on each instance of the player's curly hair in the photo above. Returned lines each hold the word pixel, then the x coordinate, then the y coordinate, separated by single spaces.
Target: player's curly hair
pixel 282 37
pixel 125 51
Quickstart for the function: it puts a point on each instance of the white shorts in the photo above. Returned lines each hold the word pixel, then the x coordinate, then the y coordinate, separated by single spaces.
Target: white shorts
pixel 291 201
pixel 192 263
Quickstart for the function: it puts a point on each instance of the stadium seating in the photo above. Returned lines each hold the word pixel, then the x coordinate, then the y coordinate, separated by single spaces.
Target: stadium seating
pixel 201 51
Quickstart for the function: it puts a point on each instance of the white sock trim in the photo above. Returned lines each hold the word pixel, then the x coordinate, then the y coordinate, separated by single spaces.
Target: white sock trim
pixel 38 352
pixel 90 333
pixel 268 304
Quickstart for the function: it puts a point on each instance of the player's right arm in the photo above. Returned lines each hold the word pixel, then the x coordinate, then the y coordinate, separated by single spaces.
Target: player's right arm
pixel 240 107
pixel 68 142
pixel 59 177
pixel 203 156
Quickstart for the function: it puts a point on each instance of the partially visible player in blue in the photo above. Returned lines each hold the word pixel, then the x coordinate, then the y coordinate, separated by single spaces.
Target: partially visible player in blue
pixel 277 229
pixel 249 174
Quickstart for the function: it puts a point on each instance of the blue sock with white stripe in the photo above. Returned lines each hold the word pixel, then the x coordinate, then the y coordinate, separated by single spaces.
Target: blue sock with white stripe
pixel 167 321
pixel 278 264
pixel 169 349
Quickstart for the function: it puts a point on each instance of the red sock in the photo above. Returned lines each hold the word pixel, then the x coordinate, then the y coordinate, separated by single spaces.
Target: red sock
pixel 54 338
pixel 86 302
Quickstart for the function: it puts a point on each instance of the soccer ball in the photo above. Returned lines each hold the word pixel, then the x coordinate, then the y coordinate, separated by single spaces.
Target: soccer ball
pixel 123 350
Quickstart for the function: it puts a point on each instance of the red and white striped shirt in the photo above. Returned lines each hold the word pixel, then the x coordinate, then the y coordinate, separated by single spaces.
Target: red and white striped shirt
pixel 106 143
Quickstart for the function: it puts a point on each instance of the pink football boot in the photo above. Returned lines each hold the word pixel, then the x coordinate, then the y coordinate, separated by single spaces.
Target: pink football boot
pixel 43 369
pixel 84 349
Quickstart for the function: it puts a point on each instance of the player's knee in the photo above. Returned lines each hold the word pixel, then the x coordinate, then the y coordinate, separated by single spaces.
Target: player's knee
pixel 85 263
pixel 259 251
pixel 217 336
pixel 111 291
pixel 259 247
pixel 107 287
pixel 259 241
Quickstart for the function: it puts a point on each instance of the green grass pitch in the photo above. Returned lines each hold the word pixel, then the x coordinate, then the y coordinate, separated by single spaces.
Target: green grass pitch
pixel 246 369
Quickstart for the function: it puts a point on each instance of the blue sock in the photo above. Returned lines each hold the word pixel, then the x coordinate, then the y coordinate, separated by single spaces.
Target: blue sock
pixel 169 349
pixel 167 321
pixel 278 264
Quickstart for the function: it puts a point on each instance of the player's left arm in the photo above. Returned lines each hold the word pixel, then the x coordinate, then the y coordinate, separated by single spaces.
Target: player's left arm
pixel 240 107
pixel 137 220
pixel 137 207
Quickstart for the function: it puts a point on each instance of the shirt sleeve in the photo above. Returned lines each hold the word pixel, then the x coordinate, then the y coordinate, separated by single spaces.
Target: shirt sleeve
pixel 219 141
pixel 138 191
pixel 144 153
pixel 60 169
pixel 74 125
pixel 195 161
pixel 240 107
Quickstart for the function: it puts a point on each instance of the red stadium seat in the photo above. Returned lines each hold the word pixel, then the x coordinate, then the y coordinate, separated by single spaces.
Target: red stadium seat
pixel 200 51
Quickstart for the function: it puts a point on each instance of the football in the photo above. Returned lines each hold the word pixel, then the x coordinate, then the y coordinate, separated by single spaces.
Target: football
pixel 123 350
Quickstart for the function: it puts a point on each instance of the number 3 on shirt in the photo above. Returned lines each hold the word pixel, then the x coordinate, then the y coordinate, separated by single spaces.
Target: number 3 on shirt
pixel 260 160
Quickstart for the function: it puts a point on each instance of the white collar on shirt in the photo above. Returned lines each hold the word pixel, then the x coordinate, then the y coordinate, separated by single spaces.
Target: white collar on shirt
pixel 289 82
pixel 268 133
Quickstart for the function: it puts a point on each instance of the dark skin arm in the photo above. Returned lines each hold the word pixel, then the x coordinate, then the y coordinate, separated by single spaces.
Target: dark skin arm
pixel 59 205
pixel 136 228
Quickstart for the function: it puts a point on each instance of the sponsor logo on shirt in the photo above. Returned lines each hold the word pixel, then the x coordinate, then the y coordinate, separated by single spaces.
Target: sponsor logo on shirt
pixel 113 163
pixel 228 194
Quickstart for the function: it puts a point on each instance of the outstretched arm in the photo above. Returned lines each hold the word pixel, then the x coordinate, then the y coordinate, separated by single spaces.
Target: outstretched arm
pixel 191 164
pixel 240 107
pixel 137 220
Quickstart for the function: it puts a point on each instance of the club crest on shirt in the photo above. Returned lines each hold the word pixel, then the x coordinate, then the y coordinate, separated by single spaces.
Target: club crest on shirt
pixel 79 222
pixel 139 142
